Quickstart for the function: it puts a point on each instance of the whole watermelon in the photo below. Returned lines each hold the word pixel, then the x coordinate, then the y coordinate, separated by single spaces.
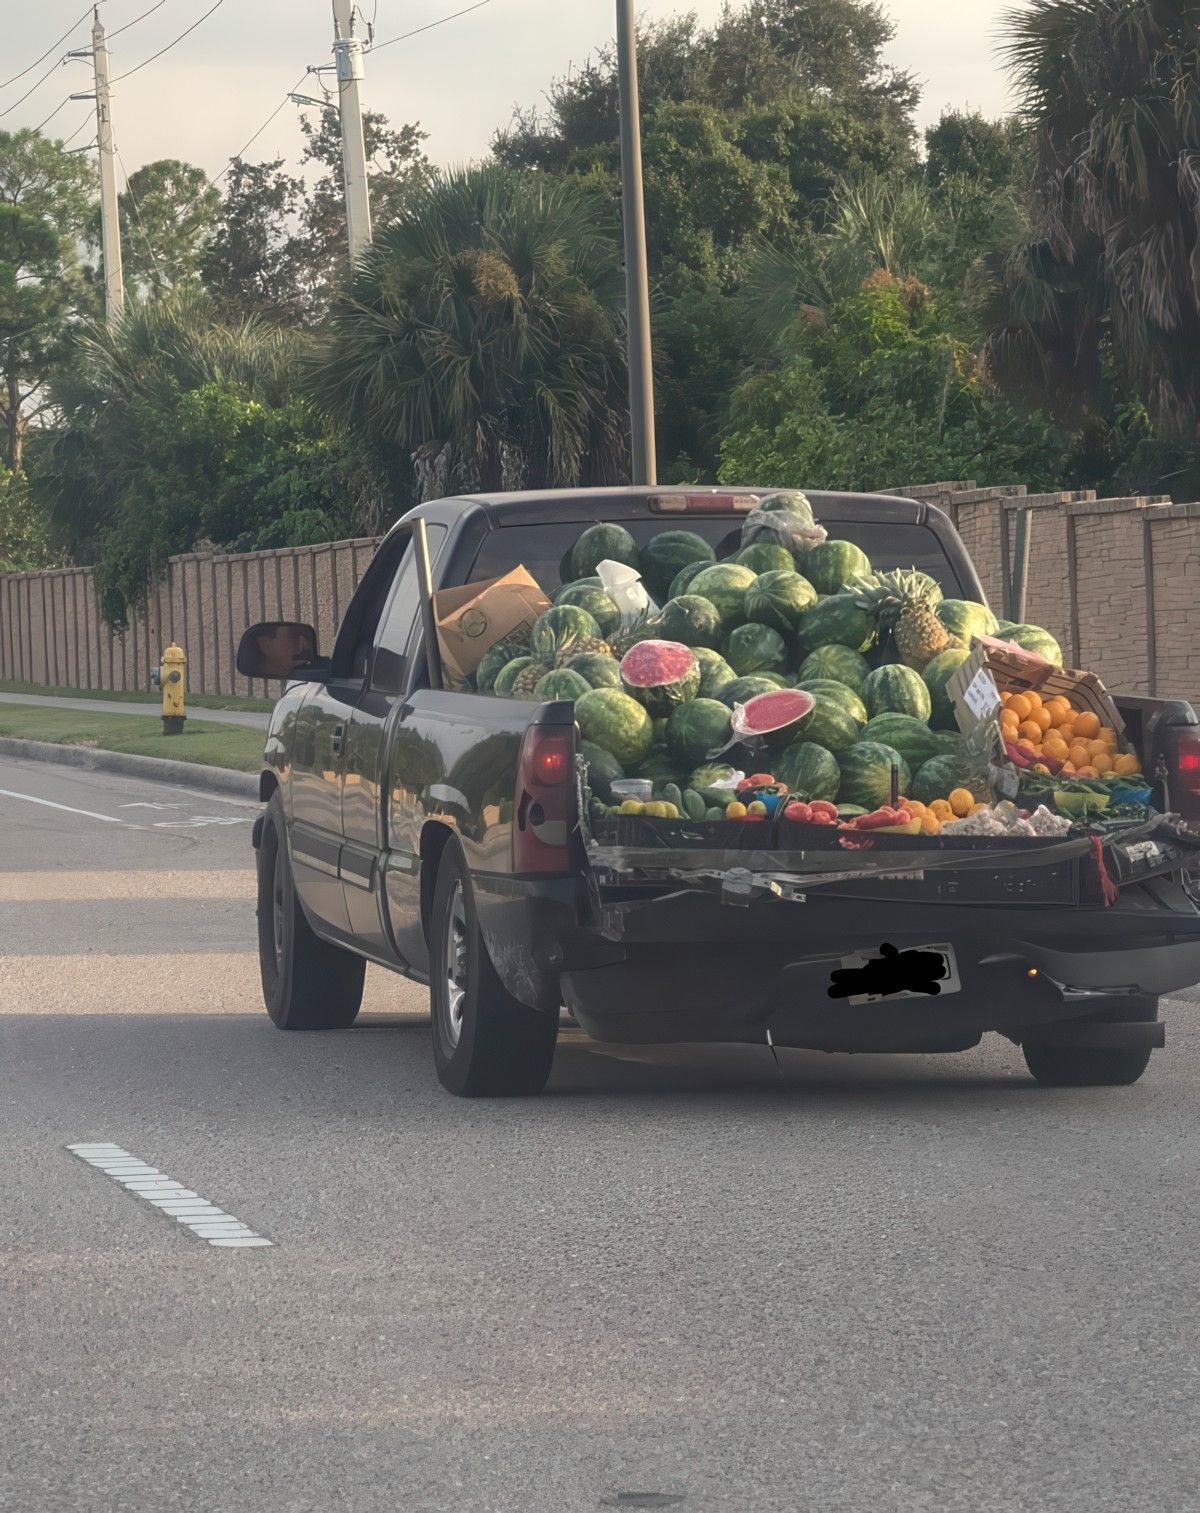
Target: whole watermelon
pixel 662 559
pixel 756 648
pixel 964 618
pixel 658 765
pixel 615 722
pixel 766 557
pixel 867 774
pixel 692 621
pixel 837 621
pixel 588 594
pixel 508 675
pixel 780 599
pixel 912 738
pixel 788 502
pixel 780 679
pixel 715 673
pixel 831 565
pixel 493 661
pixel 601 543
pixel 894 689
pixel 810 771
pixel 742 690
pixel 561 627
pixel 839 663
pixel 724 585
pixel 834 723
pixel 597 669
pixel 842 693
pixel 714 781
pixel 1040 642
pixel 947 742
pixel 936 675
pixel 562 683
pixel 660 675
pixel 682 580
pixel 697 729
pixel 603 770
pixel 938 778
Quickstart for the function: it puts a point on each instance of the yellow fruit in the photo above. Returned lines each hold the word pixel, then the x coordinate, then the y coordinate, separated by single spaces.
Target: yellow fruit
pixel 1030 748
pixel 1041 769
pixel 736 811
pixel 1009 724
pixel 962 800
pixel 1054 745
pixel 1079 753
pixel 1066 727
pixel 1126 764
pixel 1069 767
pixel 1033 699
pixel 1042 718
pixel 633 806
pixel 1020 706
pixel 1086 772
pixel 1060 708
pixel 941 809
pixel 930 824
pixel 1030 731
pixel 1109 737
pixel 1102 762
pixel 1097 748
pixel 1087 725
pixel 915 807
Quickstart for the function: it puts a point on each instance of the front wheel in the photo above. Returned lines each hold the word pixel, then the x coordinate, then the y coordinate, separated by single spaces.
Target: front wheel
pixel 486 1043
pixel 1057 1066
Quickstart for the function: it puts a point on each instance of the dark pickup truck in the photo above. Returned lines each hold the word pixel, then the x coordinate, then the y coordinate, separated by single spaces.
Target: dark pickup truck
pixel 445 836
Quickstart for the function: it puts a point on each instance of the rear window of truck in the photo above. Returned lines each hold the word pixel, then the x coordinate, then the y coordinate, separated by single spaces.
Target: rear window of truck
pixel 540 548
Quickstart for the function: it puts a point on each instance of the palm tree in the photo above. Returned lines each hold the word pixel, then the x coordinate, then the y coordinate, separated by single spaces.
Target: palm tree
pixel 1112 90
pixel 481 336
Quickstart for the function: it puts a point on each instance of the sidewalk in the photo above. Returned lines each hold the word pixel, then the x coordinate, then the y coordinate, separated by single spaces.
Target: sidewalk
pixel 245 717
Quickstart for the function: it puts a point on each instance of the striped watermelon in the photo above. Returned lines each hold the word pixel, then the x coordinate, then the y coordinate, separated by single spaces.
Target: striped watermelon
pixel 938 778
pixel 965 618
pixel 834 723
pixel 867 774
pixel 766 557
pixel 894 689
pixel 725 584
pixel 779 599
pixel 660 675
pixel 912 738
pixel 695 730
pixel 1040 642
pixel 837 621
pixel 662 559
pixel 831 565
pixel 715 673
pixel 846 696
pixel 936 675
pixel 742 690
pixel 839 663
pixel 810 771
pixel 756 648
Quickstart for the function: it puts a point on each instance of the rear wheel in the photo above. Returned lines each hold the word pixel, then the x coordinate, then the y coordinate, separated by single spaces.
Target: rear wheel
pixel 1057 1066
pixel 486 1043
pixel 307 983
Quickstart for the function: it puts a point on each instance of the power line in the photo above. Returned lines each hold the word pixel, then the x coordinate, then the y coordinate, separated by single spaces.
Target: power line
pixel 246 147
pixel 145 61
pixel 137 215
pixel 58 63
pixel 91 116
pixel 136 19
pixel 31 66
pixel 404 36
pixel 53 113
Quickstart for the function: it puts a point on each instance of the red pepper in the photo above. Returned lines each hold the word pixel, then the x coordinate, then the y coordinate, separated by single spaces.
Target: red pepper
pixel 759 780
pixel 800 813
pixel 880 817
pixel 1018 757
pixel 823 808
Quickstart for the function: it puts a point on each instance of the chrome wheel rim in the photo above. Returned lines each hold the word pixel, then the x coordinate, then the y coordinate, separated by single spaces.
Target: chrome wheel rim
pixel 456 965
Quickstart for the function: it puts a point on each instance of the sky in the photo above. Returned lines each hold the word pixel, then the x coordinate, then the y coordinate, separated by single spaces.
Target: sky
pixel 205 98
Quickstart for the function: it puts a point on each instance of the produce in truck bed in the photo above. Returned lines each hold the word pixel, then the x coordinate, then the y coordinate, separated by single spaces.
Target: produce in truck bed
pixel 589 594
pixel 658 765
pixel 841 693
pixel 938 777
pixel 911 737
pixel 836 662
pixel 660 675
pixel 903 606
pixel 616 722
pixel 508 675
pixel 662 559
pixel 766 557
pixel 725 584
pixel 809 770
pixel 1050 729
pixel 867 774
pixel 603 770
pixel 780 600
pixel 644 628
pixel 526 682
pixel 756 649
pixel 714 782
pixel 837 621
pixel 775 717
pixel 696 730
pixel 691 620
pixel 965 618
pixel 598 668
pixel 601 543
pixel 564 628
pixel 742 690
pixel 937 672
pixel 834 723
pixel 1040 642
pixel 830 566
pixel 681 582
pixel 896 689
pixel 788 502
pixel 493 661
pixel 715 673
pixel 562 683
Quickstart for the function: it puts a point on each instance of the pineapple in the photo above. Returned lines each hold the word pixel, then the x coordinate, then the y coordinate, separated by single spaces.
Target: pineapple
pixel 579 646
pixel 980 750
pixel 528 679
pixel 645 628
pixel 902 603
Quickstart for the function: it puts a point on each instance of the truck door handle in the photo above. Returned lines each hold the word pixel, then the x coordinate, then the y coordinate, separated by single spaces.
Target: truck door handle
pixel 339 738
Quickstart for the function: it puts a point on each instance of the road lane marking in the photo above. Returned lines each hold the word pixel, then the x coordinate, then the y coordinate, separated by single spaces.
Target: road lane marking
pixel 109 819
pixel 56 885
pixel 205 1220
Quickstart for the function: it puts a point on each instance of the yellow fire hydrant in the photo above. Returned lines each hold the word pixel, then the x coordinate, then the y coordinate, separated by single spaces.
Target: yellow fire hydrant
pixel 172 676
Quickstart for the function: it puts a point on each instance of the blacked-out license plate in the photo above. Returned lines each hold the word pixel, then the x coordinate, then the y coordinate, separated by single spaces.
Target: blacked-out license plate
pixel 896 972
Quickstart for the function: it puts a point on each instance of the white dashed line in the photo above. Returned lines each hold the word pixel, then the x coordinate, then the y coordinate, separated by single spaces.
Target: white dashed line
pixel 89 814
pixel 203 1218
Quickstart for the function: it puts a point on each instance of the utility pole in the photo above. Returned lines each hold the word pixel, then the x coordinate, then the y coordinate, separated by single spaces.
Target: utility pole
pixel 110 223
pixel 348 55
pixel 637 276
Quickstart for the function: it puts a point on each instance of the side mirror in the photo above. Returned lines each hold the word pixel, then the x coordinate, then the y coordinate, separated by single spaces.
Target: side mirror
pixel 281 649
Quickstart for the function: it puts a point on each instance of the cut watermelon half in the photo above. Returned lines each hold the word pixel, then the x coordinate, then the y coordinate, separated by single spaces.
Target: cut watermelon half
pixel 661 675
pixel 772 717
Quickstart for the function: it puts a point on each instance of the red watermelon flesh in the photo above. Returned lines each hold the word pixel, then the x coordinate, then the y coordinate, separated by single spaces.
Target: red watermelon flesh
pixel 773 716
pixel 661 675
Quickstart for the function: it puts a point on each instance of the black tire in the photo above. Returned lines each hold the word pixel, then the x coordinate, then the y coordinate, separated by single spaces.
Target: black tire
pixel 1056 1066
pixel 486 1043
pixel 307 983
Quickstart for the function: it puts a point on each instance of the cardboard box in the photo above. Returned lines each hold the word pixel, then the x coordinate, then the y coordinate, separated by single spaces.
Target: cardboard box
pixel 474 618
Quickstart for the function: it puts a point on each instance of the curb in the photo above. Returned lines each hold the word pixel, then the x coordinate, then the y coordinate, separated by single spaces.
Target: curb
pixel 243 785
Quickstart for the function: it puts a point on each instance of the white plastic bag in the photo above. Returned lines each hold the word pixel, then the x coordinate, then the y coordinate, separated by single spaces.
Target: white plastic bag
pixel 625 588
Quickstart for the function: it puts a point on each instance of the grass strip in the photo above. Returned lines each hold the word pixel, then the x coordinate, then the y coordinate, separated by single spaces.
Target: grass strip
pixel 205 743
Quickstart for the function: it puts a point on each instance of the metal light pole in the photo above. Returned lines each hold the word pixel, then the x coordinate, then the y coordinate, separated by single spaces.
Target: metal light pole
pixel 110 223
pixel 637 276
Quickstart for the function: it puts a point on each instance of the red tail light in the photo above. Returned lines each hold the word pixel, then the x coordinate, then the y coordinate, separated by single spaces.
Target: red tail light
pixel 1187 763
pixel 701 504
pixel 545 802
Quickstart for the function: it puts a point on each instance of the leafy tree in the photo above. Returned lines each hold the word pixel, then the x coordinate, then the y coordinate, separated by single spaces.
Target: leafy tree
pixel 254 263
pixel 168 213
pixel 23 543
pixel 479 344
pixel 965 144
pixel 45 201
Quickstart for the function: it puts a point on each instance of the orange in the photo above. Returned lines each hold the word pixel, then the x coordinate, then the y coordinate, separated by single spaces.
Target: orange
pixel 978 808
pixel 1042 718
pixel 941 809
pixel 1087 725
pixel 1030 731
pixel 1086 772
pixel 962 801
pixel 1059 707
pixel 1020 706
pixel 1033 698
pixel 1069 767
pixel 1126 764
pixel 1065 722
pixel 1028 748
pixel 915 807
pixel 1097 748
pixel 1009 724
pixel 1102 762
pixel 1109 737
pixel 1056 747
pixel 930 824
pixel 1079 753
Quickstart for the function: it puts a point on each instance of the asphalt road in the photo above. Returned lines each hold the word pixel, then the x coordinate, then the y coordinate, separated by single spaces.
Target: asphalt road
pixel 680 1280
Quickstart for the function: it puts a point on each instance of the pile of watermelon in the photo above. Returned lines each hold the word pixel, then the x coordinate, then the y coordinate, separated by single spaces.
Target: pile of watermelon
pixel 765 650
